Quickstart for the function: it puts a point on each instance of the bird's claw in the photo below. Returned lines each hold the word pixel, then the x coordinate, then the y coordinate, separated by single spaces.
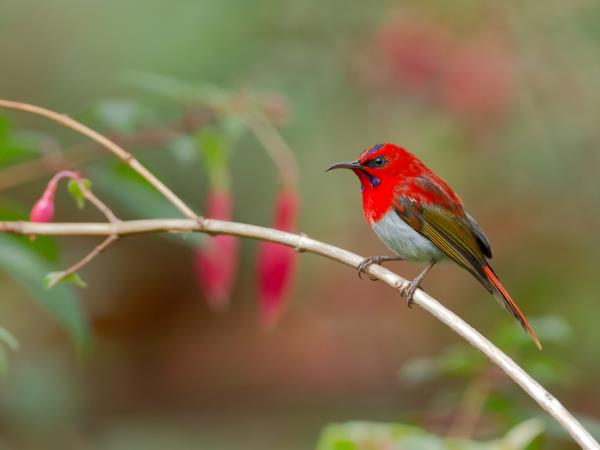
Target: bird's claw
pixel 408 291
pixel 364 266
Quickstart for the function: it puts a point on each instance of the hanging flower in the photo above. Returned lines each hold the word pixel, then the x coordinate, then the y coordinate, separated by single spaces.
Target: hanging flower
pixel 277 263
pixel 217 261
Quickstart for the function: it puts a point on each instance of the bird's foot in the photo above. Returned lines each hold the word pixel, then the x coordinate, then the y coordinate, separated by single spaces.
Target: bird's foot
pixel 408 291
pixel 365 263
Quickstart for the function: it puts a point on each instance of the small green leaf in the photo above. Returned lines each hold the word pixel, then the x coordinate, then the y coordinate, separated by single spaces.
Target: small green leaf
pixel 8 339
pixel 57 278
pixel 77 193
pixel 215 148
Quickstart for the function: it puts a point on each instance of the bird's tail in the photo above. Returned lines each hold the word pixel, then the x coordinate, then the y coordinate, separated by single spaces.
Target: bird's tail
pixel 509 303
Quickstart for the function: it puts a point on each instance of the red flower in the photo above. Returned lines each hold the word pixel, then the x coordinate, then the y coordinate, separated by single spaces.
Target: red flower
pixel 276 262
pixel 217 261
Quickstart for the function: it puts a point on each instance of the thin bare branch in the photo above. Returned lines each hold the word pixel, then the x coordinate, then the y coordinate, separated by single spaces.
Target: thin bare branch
pixel 84 261
pixel 99 204
pixel 86 152
pixel 305 244
pixel 109 145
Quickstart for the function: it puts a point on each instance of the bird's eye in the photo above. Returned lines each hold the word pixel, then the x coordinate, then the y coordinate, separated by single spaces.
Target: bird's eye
pixel 377 162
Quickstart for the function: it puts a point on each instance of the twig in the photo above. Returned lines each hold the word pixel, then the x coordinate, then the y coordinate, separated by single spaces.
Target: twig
pixel 84 261
pixel 109 145
pixel 103 208
pixel 83 153
pixel 99 204
pixel 303 243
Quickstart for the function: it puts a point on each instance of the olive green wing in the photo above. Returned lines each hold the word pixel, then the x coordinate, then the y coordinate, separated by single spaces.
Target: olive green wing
pixel 454 235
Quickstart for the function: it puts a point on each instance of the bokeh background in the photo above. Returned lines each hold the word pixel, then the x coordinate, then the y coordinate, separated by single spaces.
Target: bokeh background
pixel 500 98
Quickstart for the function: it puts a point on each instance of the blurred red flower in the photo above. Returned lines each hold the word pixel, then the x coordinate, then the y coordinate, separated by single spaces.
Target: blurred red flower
pixel 276 262
pixel 479 80
pixel 217 261
pixel 415 52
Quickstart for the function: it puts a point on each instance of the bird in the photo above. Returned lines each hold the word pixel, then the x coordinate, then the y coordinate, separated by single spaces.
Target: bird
pixel 421 219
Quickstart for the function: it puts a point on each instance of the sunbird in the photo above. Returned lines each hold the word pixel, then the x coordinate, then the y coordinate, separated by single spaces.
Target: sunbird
pixel 420 218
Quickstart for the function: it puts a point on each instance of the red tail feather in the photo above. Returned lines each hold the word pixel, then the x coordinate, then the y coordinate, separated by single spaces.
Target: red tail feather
pixel 511 305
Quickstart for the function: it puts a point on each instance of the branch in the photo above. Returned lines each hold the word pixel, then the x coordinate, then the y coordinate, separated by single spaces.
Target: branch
pixel 109 145
pixel 303 243
pixel 110 216
pixel 79 154
pixel 84 261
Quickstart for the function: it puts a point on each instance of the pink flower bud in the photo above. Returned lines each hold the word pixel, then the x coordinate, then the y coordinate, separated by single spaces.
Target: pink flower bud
pixel 276 263
pixel 43 209
pixel 216 262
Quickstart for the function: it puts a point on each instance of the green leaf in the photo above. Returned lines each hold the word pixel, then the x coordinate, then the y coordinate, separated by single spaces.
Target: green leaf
pixel 28 269
pixel 76 192
pixel 215 148
pixel 50 280
pixel 368 435
pixel 8 339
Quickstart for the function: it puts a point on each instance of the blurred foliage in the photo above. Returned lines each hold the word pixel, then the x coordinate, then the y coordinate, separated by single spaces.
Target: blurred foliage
pixel 375 436
pixel 29 269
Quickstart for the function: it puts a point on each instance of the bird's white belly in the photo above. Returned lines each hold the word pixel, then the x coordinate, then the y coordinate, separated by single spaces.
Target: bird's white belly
pixel 403 240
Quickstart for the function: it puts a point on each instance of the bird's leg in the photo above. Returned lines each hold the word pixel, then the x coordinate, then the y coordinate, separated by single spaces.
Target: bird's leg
pixel 364 265
pixel 410 289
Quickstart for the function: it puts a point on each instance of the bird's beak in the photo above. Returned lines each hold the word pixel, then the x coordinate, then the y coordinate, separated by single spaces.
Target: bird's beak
pixel 344 165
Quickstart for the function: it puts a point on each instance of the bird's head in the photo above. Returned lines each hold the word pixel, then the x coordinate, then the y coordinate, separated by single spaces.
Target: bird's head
pixel 379 165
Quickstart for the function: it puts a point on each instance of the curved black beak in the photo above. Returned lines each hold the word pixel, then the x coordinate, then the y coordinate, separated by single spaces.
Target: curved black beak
pixel 344 165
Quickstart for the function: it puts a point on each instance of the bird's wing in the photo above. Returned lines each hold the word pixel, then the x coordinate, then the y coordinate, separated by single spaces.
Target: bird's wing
pixel 457 234
pixel 449 232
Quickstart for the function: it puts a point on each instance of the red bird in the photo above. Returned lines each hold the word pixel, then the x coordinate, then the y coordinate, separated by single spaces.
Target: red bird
pixel 421 219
